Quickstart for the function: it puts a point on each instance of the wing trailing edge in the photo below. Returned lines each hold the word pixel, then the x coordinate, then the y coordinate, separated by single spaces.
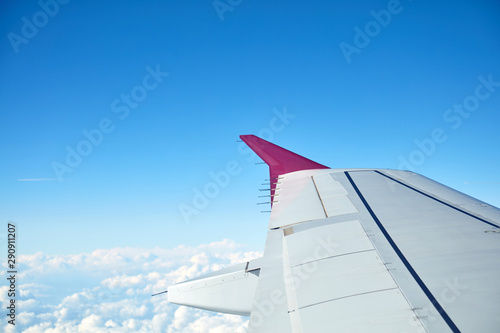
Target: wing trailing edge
pixel 229 290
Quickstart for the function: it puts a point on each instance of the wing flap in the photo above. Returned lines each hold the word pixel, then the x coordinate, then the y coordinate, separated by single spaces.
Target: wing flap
pixel 384 311
pixel 327 267
pixel 231 290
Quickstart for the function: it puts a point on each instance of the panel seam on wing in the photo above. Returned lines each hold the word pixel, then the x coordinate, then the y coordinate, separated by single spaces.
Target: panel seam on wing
pixel 349 296
pixel 319 196
pixel 335 256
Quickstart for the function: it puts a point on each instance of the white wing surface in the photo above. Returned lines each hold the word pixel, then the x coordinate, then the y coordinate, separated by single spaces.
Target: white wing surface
pixel 361 250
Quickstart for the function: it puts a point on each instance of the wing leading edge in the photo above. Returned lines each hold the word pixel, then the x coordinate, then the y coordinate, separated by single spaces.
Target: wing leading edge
pixel 361 250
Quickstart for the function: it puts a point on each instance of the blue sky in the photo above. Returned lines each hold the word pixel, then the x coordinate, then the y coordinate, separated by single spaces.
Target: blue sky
pixel 234 67
pixel 225 78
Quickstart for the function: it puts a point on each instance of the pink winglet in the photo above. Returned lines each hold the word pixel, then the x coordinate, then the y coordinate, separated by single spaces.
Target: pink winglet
pixel 279 159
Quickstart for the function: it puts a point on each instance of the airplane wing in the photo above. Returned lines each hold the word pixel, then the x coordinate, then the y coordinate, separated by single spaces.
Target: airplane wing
pixel 361 250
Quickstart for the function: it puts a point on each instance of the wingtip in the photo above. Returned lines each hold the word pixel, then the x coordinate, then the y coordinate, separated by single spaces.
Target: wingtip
pixel 280 160
pixel 246 136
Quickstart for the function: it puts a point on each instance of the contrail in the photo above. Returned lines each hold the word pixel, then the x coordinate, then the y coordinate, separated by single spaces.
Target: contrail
pixel 35 179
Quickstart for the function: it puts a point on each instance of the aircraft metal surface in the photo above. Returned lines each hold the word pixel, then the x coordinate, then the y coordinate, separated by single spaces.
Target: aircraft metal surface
pixel 361 250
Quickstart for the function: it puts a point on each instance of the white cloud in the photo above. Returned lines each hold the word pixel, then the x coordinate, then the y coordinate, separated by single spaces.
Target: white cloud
pixel 90 324
pixel 109 290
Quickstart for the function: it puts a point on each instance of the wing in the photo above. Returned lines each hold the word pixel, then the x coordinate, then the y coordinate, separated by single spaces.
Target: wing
pixel 361 250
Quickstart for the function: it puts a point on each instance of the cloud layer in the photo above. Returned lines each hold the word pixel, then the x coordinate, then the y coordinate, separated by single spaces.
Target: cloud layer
pixel 110 290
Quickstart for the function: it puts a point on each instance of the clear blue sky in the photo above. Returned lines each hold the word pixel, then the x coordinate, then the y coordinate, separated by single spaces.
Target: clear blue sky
pixel 228 74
